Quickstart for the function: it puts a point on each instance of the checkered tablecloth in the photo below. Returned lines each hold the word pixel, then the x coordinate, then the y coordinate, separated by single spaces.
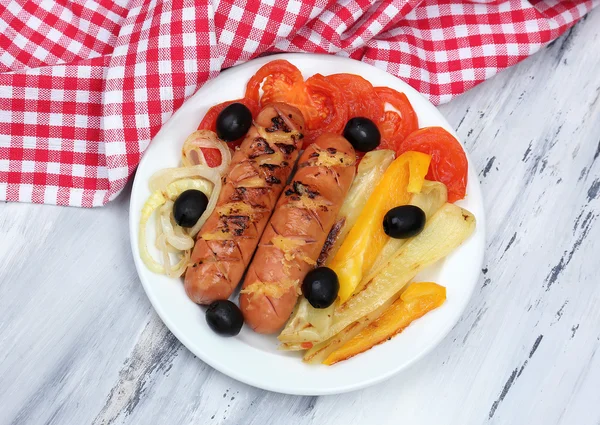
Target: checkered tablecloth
pixel 86 84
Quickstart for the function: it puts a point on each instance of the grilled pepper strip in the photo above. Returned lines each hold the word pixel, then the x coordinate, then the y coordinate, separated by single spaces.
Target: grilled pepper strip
pixel 366 239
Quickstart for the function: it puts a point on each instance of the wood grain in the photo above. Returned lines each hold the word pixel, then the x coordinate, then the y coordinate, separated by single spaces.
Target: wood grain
pixel 82 345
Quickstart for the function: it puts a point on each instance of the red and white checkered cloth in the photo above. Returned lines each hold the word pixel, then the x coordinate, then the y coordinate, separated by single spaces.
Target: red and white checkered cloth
pixel 86 84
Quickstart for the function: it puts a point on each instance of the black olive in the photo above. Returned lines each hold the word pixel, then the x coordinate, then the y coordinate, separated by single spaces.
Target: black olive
pixel 362 133
pixel 189 206
pixel 224 318
pixel 320 287
pixel 404 222
pixel 233 122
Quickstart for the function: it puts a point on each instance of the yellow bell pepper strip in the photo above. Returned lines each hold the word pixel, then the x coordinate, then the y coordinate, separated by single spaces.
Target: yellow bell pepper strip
pixel 360 249
pixel 417 300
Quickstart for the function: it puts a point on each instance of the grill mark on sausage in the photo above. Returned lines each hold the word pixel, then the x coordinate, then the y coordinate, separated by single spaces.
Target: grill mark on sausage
pixel 249 194
pixel 259 147
pixel 299 188
pixel 285 148
pixel 278 123
pixel 271 167
pixel 331 238
pixel 272 180
pixel 239 194
pixel 235 224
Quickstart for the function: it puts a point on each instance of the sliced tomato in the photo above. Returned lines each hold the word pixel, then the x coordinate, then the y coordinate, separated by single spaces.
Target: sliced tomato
pixel 279 88
pixel 396 127
pixel 360 96
pixel 209 122
pixel 389 130
pixel 448 160
pixel 212 156
pixel 326 110
pixel 280 76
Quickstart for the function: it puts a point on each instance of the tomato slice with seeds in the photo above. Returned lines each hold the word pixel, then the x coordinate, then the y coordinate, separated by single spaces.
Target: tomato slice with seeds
pixel 396 126
pixel 326 110
pixel 280 76
pixel 448 160
pixel 360 96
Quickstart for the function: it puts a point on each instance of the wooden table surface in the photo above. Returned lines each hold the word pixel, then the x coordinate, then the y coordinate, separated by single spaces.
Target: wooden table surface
pixel 80 343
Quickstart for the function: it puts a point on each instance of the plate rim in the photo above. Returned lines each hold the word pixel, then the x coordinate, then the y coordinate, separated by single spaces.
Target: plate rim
pixel 474 187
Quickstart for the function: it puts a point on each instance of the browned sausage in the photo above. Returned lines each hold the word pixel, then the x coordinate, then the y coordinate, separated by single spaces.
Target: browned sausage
pixel 258 172
pixel 296 232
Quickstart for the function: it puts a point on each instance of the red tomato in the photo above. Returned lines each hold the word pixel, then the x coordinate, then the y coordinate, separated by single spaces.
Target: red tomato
pixel 360 96
pixel 281 78
pixel 448 160
pixel 396 127
pixel 212 156
pixel 326 110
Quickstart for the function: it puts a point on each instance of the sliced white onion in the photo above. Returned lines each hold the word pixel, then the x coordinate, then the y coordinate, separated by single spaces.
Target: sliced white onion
pixel 166 185
pixel 179 268
pixel 182 265
pixel 165 255
pixel 191 153
pixel 212 203
pixel 163 178
pixel 161 243
pixel 182 241
pixel 152 203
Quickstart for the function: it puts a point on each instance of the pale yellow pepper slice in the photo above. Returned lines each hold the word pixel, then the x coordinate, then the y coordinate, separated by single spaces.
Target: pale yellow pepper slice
pixel 360 249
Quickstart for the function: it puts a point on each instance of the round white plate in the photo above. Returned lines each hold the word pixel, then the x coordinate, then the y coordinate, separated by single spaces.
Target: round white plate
pixel 252 358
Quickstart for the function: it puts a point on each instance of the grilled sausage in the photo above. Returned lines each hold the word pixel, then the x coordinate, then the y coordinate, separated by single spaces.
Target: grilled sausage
pixel 258 172
pixel 296 232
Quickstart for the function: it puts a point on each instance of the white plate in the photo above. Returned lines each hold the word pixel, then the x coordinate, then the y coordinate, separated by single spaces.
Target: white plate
pixel 252 358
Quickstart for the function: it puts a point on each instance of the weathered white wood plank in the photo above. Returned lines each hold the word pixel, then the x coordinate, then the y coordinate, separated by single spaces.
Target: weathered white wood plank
pixel 81 344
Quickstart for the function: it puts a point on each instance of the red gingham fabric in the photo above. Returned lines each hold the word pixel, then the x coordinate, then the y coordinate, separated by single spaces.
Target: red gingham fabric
pixel 86 84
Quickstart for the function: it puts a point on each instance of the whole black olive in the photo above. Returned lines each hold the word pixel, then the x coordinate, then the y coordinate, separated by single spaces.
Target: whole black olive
pixel 404 222
pixel 362 133
pixel 233 122
pixel 320 287
pixel 189 206
pixel 224 318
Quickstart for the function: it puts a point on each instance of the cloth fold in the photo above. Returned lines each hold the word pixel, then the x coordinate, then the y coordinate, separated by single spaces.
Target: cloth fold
pixel 86 84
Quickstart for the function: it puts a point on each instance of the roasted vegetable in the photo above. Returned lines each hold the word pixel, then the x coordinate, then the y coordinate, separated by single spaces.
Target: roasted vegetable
pixel 359 251
pixel 417 300
pixel 306 321
pixel 444 231
pixel 432 196
pixel 319 352
pixel 369 172
pixel 449 163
